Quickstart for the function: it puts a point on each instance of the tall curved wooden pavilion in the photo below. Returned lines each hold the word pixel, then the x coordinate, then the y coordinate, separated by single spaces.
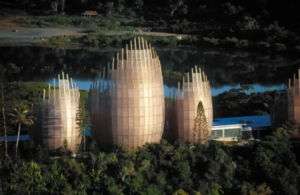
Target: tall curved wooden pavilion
pixel 192 90
pixel 127 99
pixel 56 116
pixel 287 104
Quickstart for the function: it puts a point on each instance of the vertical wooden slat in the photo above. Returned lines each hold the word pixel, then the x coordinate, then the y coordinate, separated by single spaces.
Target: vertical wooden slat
pixel 131 54
pixel 49 95
pixel 122 58
pixel 118 61
pixel 54 92
pixel 183 88
pixel 59 95
pixel 299 82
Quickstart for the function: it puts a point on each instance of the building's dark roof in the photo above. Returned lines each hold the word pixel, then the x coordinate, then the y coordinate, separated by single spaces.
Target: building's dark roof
pixel 250 121
pixel 14 138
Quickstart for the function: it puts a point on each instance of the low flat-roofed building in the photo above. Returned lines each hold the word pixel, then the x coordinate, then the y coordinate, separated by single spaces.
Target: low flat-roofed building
pixel 13 138
pixel 246 127
pixel 223 129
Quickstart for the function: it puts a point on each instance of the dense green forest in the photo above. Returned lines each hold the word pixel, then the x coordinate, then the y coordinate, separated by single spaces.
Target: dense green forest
pixel 221 66
pixel 253 25
pixel 267 167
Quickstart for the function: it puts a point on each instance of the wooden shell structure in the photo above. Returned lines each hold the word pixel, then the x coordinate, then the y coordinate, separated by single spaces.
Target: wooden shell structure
pixel 287 104
pixel 188 97
pixel 127 101
pixel 56 116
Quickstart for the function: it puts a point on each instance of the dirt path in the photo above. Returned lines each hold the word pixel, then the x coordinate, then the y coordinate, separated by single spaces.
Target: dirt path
pixel 33 35
pixel 160 34
pixel 30 35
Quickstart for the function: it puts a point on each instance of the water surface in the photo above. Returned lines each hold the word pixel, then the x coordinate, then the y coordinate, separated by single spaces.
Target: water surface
pixel 225 69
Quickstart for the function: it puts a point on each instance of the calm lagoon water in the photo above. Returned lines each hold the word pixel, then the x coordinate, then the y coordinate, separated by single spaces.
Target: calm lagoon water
pixel 225 69
pixel 85 84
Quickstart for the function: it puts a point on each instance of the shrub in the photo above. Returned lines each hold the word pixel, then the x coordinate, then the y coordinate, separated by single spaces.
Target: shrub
pixel 230 42
pixel 130 13
pixel 243 44
pixel 162 23
pixel 279 47
pixel 91 39
pixel 175 28
pixel 211 41
pixel 263 45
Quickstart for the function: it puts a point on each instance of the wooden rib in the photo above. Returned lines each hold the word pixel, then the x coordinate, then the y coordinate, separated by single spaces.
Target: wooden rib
pixel 188 81
pixel 103 76
pixel 108 67
pixel 294 81
pixel 58 85
pixel 178 92
pixel 44 94
pixel 205 85
pixel 192 78
pixel 126 56
pixel 197 81
pixel 146 60
pixel 149 61
pixel 72 85
pixel 107 76
pixel 135 51
pixel 68 89
pixel 54 92
pixel 49 94
pixel 147 52
pixel 183 88
pixel 112 70
pixel 173 92
pixel 289 83
pixel 63 79
pixel 131 54
pixel 99 76
pixel 299 81
pixel 118 61
pixel 95 85
pixel 150 51
pixel 153 57
pixel 139 41
pixel 201 82
pixel 135 61
pixel 122 58
pixel 75 92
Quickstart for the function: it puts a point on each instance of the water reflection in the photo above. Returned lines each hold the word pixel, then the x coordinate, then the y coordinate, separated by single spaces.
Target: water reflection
pixel 225 69
pixel 169 91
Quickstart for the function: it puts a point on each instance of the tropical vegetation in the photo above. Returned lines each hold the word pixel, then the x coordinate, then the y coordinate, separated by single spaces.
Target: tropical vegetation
pixel 251 25
pixel 22 115
pixel 267 167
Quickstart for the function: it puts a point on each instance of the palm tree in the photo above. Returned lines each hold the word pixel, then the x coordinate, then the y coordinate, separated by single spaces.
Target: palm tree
pixel 83 121
pixel 3 82
pixel 21 116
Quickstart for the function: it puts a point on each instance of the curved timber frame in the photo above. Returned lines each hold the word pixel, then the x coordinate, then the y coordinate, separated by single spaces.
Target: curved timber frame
pixel 185 104
pixel 56 113
pixel 287 104
pixel 127 100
